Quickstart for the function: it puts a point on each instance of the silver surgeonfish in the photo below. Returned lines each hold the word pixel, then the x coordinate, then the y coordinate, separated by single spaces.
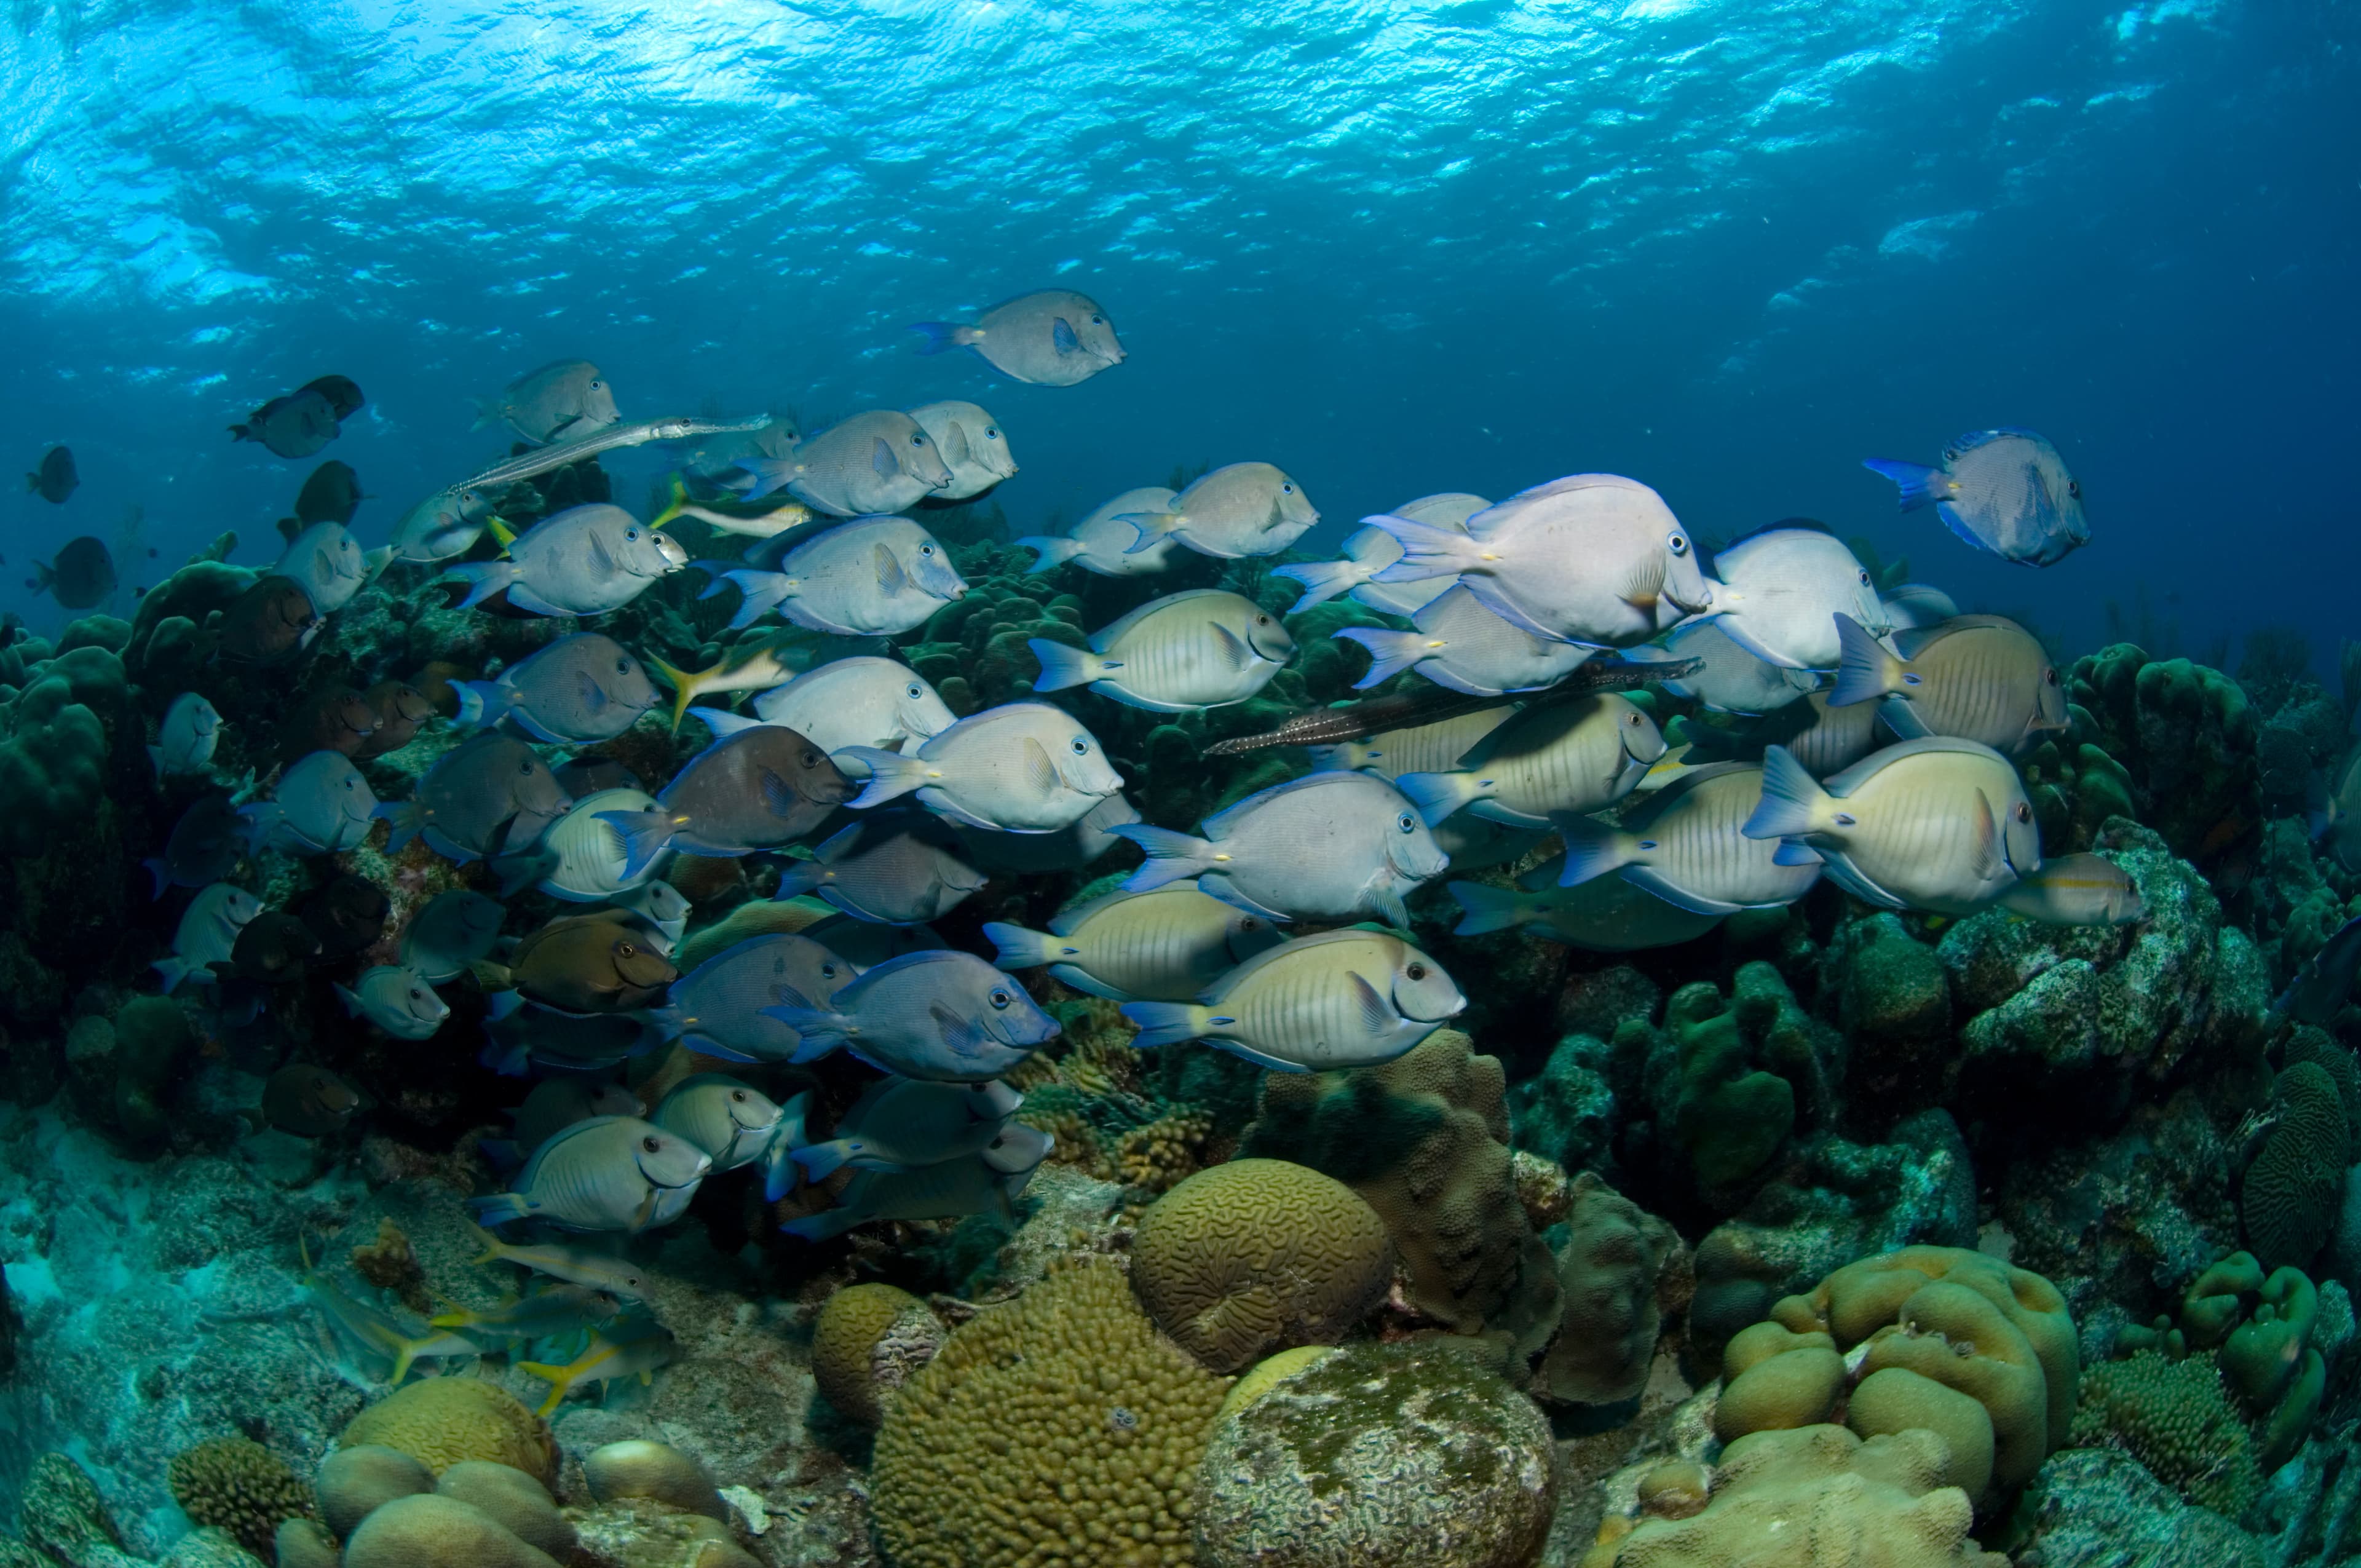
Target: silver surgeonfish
pixel 576 691
pixel 1240 508
pixel 1022 767
pixel 585 560
pixel 973 446
pixel 1590 558
pixel 874 577
pixel 731 1122
pixel 1575 757
pixel 1349 998
pixel 1067 849
pixel 1165 945
pixel 1204 648
pixel 321 805
pixel 2002 491
pixel 1939 824
pixel 988 1182
pixel 1779 591
pixel 1976 677
pixel 1331 846
pixel 445 524
pixel 1051 337
pixel 1368 551
pixel 943 1015
pixel 876 462
pixel 1461 646
pixel 717 1009
pixel 860 701
pixel 455 930
pixel 207 932
pixel 1101 543
pixel 1605 914
pixel 397 999
pixel 1685 847
pixel 562 400
pixel 610 1173
pixel 1731 679
pixel 330 565
pixel 185 742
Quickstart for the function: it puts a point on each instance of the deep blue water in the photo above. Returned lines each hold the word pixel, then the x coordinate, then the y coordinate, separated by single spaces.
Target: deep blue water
pixel 1730 248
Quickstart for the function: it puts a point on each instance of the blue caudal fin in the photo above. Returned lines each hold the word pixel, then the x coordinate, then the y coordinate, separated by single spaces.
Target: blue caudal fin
pixel 764 591
pixel 1437 795
pixel 1062 666
pixel 1390 652
pixel 170 972
pixel 644 834
pixel 722 724
pixel 484 578
pixel 2319 808
pixel 1021 947
pixel 936 338
pixel 481 703
pixel 1914 478
pixel 1051 550
pixel 1865 670
pixel 498 1208
pixel 764 475
pixel 409 819
pixel 1171 856
pixel 891 775
pixel 1486 908
pixel 799 877
pixel 161 870
pixel 1593 849
pixel 1322 580
pixel 1164 1023
pixel 1427 551
pixel 1790 795
pixel 820 1161
pixel 1151 526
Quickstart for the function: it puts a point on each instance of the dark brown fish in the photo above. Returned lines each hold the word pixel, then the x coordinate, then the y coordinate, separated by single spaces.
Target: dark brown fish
pixel 1372 716
pixel 268 620
pixel 56 478
pixel 759 789
pixel 490 794
pixel 590 772
pixel 439 684
pixel 556 1103
pixel 334 719
pixel 587 963
pixel 309 1101
pixel 344 395
pixel 294 426
pixel 400 708
pixel 82 575
pixel 272 949
pixel 347 914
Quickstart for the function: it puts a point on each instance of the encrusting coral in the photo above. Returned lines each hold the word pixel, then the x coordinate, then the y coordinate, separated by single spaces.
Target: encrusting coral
pixel 1059 1430
pixel 1257 1256
pixel 1412 1453
pixel 240 1485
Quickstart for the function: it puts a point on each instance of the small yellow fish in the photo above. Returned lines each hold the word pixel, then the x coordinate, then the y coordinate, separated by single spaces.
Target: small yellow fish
pixel 377 1330
pixel 747 667
pixel 629 1350
pixel 575 1265
pixel 559 1309
pixel 753 525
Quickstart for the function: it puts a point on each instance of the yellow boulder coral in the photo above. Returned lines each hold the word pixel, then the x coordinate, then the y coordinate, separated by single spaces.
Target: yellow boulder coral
pixel 1060 1431
pixel 1255 1256
pixel 866 1341
pixel 443 1420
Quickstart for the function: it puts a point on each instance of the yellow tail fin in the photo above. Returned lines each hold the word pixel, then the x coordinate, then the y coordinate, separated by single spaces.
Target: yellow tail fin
pixel 488 1242
pixel 679 501
pixel 558 1380
pixel 504 532
pixel 684 687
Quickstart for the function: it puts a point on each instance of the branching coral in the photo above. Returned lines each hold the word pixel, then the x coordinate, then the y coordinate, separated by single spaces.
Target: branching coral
pixel 237 1484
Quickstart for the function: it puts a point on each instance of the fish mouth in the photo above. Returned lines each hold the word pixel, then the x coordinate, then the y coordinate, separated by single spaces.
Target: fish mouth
pixel 1683 606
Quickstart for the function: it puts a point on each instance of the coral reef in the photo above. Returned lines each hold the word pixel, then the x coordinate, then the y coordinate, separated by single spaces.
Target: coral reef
pixel 2176 1419
pixel 1412 1453
pixel 446 1420
pixel 1257 1256
pixel 1608 1270
pixel 866 1341
pixel 241 1486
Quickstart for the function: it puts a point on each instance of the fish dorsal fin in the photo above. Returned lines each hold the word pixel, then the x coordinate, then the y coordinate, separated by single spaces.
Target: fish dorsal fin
pixel 1374 1010
pixel 1061 334
pixel 955 446
pixel 1230 648
pixel 1040 772
pixel 1917 638
pixel 882 459
pixel 1985 830
pixel 890 578
pixel 1974 439
pixel 1217 826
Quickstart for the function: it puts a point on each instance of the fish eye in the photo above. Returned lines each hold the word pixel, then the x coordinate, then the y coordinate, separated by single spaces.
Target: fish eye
pixel 926 549
pixel 1262 620
pixel 1287 489
pixel 739 1095
pixel 1647 843
pixel 626 950
pixel 1406 822
pixel 990 433
pixel 1081 747
pixel 595 386
pixel 1633 721
pixel 623 666
pixel 1098 320
pixel 828 971
pixel 416 994
pixel 1248 923
pixel 912 690
pixel 1416 971
pixel 2074 488
pixel 1864 576
pixel 1677 543
pixel 2022 812
pixel 1000 1000
pixel 630 533
pixel 919 439
pixel 650 1145
pixel 811 758
pixel 525 768
pixel 2050 675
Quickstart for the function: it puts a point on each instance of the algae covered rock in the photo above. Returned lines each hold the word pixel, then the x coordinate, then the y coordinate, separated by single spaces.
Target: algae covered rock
pixel 359 1479
pixel 1608 1273
pixel 431 1531
pixel 1409 1453
pixel 1257 1256
pixel 1060 1427
pixel 2097 1507
pixel 655 1470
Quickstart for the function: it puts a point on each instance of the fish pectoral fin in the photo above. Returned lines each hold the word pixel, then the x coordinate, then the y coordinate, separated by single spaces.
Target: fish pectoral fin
pixel 644 1212
pixel 882 459
pixel 1040 772
pixel 1230 648
pixel 601 560
pixel 1985 826
pixel 779 796
pixel 960 1036
pixel 890 578
pixel 1642 586
pixel 1375 1012
pixel 1061 334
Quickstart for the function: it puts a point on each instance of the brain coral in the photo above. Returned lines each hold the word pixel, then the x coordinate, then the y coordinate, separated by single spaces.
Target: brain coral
pixel 1256 1255
pixel 866 1341
pixel 1410 1453
pixel 237 1484
pixel 443 1420
pixel 1424 1140
pixel 1814 1498
pixel 1958 1343
pixel 1060 1431
pixel 2177 1420
pixel 2295 1185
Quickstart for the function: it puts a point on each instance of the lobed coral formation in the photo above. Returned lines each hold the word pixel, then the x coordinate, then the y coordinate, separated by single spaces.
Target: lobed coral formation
pixel 1608 1272
pixel 443 1420
pixel 1058 1430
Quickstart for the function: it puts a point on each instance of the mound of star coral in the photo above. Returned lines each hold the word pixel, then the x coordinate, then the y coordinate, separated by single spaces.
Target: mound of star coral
pixel 1059 1428
pixel 1257 1256
pixel 1957 1343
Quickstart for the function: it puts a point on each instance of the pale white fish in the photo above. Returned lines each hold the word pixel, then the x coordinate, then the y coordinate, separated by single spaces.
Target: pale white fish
pixel 1238 510
pixel 207 931
pixel 974 448
pixel 1780 591
pixel 1341 999
pixel 872 463
pixel 397 999
pixel 1462 645
pixel 1732 680
pixel 185 741
pixel 1451 510
pixel 1575 756
pixel 871 577
pixel 1204 648
pixel 609 1173
pixel 1164 945
pixel 1102 541
pixel 1686 846
pixel 1022 767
